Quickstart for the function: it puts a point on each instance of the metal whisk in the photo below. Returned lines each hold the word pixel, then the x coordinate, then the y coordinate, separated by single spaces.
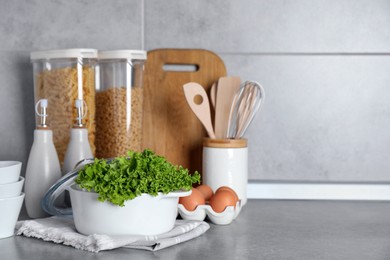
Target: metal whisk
pixel 246 103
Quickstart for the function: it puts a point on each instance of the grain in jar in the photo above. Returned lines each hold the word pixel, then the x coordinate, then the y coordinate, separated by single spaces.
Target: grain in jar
pixel 62 76
pixel 119 102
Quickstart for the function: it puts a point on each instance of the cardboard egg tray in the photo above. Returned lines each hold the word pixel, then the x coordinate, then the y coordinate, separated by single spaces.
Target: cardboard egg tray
pixel 203 211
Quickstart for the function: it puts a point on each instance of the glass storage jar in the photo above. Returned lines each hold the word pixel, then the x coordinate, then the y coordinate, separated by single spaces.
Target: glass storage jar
pixel 119 102
pixel 62 76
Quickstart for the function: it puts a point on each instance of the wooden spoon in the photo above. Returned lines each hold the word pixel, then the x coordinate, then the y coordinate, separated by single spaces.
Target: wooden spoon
pixel 198 101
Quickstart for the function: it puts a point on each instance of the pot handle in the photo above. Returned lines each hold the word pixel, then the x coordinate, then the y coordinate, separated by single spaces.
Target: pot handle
pixel 47 203
pixel 178 194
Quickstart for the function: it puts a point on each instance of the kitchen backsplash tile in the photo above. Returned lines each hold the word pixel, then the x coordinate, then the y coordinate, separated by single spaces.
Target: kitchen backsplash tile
pixel 16 106
pixel 253 26
pixel 44 24
pixel 325 118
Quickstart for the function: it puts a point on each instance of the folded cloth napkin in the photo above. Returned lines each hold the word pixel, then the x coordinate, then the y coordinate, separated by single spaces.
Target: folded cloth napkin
pixel 63 231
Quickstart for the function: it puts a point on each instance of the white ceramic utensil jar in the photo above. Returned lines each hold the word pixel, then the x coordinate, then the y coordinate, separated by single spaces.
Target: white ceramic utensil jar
pixel 225 163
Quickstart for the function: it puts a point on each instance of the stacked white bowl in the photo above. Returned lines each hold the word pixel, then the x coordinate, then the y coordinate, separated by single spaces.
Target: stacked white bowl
pixel 11 196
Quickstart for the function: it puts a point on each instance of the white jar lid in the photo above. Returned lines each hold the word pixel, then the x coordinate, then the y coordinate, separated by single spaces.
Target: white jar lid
pixel 65 53
pixel 122 54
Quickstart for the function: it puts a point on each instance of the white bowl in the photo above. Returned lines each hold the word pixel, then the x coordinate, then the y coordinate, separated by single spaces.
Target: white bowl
pixel 144 215
pixel 10 209
pixel 9 171
pixel 11 189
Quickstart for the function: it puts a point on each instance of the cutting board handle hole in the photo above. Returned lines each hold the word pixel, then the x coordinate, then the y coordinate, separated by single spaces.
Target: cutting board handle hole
pixel 181 67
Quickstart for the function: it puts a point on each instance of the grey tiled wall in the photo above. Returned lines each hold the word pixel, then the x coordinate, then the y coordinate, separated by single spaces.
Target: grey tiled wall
pixel 324 64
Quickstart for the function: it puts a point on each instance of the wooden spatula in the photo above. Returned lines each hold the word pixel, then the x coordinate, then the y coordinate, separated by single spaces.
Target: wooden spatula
pixel 227 88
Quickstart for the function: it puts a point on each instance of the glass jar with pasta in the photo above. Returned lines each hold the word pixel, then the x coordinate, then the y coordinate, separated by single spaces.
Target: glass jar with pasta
pixel 119 102
pixel 62 76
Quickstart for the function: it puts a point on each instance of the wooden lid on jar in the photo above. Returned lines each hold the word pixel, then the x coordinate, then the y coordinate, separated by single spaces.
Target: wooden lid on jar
pixel 225 143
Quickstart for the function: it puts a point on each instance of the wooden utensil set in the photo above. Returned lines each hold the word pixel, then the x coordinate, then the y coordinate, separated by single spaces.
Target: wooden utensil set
pixel 234 105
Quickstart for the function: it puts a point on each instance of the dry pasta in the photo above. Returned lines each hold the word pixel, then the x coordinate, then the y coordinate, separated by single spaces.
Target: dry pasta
pixel 118 125
pixel 60 87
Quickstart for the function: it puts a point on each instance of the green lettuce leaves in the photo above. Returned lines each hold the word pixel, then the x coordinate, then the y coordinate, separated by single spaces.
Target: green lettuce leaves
pixel 125 178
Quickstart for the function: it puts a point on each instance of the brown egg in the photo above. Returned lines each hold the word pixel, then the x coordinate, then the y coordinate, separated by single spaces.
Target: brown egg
pixel 206 191
pixel 191 202
pixel 221 200
pixel 228 189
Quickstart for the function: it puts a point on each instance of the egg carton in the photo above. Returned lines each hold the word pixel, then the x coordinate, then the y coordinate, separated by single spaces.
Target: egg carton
pixel 203 211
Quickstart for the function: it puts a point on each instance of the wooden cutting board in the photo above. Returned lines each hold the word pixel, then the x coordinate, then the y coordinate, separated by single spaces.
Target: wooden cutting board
pixel 170 128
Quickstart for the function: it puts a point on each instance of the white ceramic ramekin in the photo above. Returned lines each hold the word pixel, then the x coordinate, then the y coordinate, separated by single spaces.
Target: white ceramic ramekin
pixel 9 171
pixel 10 209
pixel 11 189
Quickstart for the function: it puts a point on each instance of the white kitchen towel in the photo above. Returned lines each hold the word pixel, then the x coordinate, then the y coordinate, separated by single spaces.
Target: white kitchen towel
pixel 63 231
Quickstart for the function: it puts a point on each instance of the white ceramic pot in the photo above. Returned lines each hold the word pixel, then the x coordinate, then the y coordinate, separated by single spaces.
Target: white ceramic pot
pixel 225 163
pixel 10 209
pixel 11 189
pixel 144 215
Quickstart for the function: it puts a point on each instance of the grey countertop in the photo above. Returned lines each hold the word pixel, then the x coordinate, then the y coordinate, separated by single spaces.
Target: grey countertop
pixel 265 229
